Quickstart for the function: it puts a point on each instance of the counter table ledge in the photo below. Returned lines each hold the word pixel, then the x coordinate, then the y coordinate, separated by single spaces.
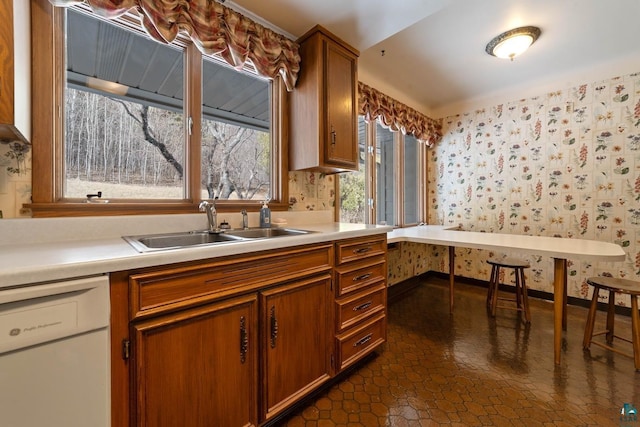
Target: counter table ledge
pixel 558 248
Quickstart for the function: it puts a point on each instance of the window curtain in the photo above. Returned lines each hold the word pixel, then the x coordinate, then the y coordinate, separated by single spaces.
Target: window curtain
pixel 214 28
pixel 373 104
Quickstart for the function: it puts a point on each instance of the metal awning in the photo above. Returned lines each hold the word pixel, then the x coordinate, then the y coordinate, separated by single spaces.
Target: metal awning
pixel 110 60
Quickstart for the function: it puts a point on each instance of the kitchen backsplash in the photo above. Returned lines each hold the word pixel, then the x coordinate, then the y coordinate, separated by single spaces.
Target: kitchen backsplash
pixel 311 191
pixel 565 163
pixel 15 178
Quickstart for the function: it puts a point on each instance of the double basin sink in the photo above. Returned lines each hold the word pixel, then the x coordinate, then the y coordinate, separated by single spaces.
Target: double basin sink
pixel 187 239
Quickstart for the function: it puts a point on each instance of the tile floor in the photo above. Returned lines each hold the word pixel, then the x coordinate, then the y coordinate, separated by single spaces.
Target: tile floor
pixel 468 369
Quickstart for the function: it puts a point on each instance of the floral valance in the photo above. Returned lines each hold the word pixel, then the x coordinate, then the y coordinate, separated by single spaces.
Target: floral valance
pixel 214 28
pixel 373 104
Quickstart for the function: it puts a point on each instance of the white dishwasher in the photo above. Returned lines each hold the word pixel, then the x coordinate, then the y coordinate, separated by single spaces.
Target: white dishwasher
pixel 54 354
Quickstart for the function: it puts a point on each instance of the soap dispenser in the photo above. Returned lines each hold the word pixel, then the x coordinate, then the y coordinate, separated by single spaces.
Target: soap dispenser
pixel 265 215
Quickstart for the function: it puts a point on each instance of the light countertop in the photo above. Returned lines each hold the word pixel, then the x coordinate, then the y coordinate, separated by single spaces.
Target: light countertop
pixel 43 250
pixel 36 251
pixel 554 247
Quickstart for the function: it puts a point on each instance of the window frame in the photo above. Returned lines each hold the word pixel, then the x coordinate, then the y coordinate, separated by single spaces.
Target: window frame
pixel 371 178
pixel 421 179
pixel 48 83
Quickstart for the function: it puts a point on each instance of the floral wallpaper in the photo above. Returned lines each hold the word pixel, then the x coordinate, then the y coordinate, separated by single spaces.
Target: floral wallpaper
pixel 406 260
pixel 311 191
pixel 15 178
pixel 565 163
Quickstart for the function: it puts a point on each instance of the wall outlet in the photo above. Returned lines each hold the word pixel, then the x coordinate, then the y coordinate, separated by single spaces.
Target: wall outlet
pixel 569 107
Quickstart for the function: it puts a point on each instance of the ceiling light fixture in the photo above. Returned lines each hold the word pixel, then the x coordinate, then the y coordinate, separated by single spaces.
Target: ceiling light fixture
pixel 513 42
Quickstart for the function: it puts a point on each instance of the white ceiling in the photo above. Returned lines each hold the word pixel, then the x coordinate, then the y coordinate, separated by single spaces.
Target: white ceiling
pixel 434 49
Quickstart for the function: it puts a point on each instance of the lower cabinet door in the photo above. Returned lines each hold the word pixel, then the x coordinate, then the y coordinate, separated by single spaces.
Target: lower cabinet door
pixel 197 367
pixel 296 342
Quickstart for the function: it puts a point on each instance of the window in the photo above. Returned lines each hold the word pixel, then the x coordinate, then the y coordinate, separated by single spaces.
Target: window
pixel 411 180
pixel 236 151
pixel 385 176
pixel 389 182
pixel 154 127
pixel 124 113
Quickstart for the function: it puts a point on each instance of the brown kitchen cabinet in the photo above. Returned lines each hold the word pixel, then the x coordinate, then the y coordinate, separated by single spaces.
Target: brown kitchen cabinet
pixel 229 341
pixel 323 106
pixel 15 70
pixel 197 367
pixel 360 299
pixel 296 338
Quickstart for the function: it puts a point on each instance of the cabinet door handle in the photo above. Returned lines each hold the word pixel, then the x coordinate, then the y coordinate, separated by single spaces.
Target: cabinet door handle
pixel 333 136
pixel 362 277
pixel 363 340
pixel 244 340
pixel 362 306
pixel 274 326
pixel 361 251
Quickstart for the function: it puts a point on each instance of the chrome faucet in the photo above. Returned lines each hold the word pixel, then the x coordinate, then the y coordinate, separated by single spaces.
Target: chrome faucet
pixel 245 219
pixel 212 216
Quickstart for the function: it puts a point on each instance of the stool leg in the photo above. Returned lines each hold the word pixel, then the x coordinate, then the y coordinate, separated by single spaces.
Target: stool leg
pixel 635 328
pixel 591 319
pixel 525 298
pixel 611 312
pixel 496 285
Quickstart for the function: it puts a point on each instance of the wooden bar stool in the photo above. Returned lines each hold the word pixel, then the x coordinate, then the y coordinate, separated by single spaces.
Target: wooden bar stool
pixel 521 300
pixel 621 286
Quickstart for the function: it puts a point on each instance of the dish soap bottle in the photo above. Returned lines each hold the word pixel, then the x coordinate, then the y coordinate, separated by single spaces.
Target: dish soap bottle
pixel 265 215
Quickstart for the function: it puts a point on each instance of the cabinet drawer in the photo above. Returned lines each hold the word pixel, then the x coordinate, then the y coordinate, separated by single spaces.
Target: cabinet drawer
pixel 355 344
pixel 353 309
pixel 170 289
pixel 353 250
pixel 357 276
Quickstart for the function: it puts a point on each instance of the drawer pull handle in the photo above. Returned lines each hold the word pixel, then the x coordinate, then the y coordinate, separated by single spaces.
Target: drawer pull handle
pixel 362 306
pixel 244 340
pixel 360 251
pixel 363 340
pixel 362 277
pixel 274 327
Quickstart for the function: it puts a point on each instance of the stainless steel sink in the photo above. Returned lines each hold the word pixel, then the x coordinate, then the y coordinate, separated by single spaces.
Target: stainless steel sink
pixel 178 240
pixel 188 239
pixel 262 233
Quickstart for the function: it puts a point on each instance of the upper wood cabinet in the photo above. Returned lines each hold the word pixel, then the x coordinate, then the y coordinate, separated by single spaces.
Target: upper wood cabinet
pixel 323 105
pixel 15 70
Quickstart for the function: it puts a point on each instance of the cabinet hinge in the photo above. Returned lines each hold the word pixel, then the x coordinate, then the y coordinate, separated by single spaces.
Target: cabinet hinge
pixel 126 344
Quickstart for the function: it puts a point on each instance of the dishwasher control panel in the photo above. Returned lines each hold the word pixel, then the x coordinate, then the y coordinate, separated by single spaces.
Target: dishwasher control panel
pixel 38 314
